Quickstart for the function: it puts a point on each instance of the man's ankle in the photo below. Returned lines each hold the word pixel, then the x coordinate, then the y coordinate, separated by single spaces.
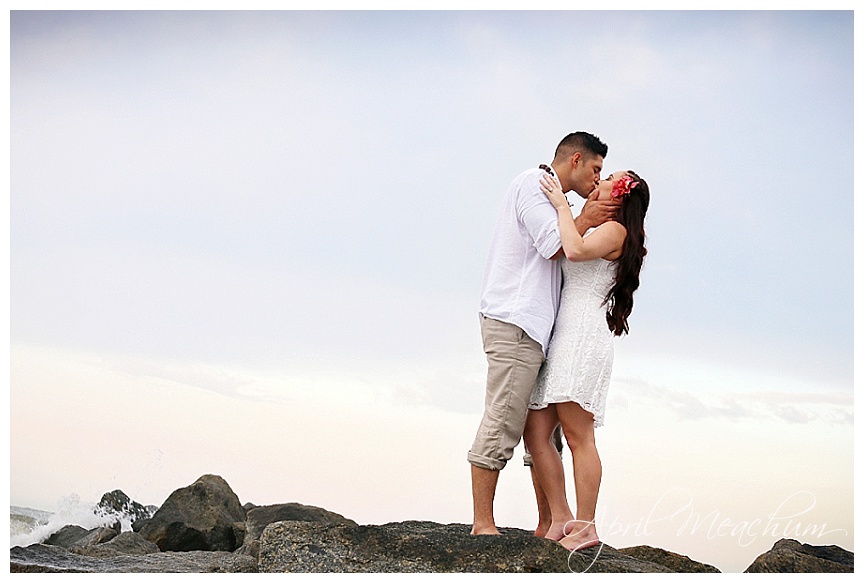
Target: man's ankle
pixel 484 528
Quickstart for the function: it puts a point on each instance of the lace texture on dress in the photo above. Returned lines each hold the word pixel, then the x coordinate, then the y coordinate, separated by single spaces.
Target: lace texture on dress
pixel 578 363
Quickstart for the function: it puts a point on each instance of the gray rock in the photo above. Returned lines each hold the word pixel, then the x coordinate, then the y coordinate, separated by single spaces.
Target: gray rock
pixel 790 556
pixel 427 547
pixel 260 516
pixel 200 517
pixel 95 537
pixel 139 523
pixel 118 503
pixel 68 536
pixel 52 559
pixel 125 543
pixel 673 561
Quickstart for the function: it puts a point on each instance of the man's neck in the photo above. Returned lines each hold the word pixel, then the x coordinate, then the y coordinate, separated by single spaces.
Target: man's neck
pixel 559 169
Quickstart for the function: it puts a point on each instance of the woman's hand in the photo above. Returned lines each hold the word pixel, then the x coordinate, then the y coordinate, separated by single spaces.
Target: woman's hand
pixel 553 192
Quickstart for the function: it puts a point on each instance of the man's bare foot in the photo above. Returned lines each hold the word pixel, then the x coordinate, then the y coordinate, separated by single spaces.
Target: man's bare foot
pixel 542 528
pixel 583 535
pixel 484 530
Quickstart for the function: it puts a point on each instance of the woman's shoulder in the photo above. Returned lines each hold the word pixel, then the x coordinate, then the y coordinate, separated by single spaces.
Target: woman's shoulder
pixel 610 229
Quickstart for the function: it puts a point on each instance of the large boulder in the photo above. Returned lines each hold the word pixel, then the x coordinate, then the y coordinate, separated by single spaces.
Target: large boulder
pixel 428 547
pixel 205 516
pixel 259 517
pixel 790 556
pixel 674 561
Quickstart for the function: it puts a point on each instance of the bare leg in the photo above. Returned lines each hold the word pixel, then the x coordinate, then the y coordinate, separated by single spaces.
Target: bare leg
pixel 544 514
pixel 548 467
pixel 483 484
pixel 578 427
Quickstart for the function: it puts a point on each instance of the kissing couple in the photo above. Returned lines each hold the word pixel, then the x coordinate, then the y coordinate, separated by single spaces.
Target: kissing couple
pixel 556 290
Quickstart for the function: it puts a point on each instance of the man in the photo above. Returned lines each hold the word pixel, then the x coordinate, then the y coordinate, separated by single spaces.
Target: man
pixel 519 301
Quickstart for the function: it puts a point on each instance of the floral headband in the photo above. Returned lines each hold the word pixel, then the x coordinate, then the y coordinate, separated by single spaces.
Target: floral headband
pixel 623 185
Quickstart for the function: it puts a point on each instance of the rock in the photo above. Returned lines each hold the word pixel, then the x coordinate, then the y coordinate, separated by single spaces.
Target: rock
pixel 138 524
pixel 673 561
pixel 52 559
pixel 119 504
pixel 790 556
pixel 423 547
pixel 259 517
pixel 95 537
pixel 207 523
pixel 68 536
pixel 199 517
pixel 125 543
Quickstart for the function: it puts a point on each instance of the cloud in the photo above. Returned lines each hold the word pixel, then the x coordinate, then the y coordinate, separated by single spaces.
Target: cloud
pixel 694 405
pixel 216 379
pixel 793 414
pixel 445 389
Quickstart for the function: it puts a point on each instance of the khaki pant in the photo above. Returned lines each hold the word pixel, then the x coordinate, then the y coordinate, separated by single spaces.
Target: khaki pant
pixel 514 359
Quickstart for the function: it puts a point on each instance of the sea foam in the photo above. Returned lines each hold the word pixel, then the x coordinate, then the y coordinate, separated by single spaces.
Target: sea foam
pixel 28 526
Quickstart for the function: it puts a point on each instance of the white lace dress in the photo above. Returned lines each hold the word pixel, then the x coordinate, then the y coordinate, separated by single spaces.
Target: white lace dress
pixel 579 360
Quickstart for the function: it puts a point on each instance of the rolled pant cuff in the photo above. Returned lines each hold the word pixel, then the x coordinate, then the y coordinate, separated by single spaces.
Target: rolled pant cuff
pixel 487 463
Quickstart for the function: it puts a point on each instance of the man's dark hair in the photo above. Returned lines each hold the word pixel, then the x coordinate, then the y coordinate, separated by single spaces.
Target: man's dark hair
pixel 580 142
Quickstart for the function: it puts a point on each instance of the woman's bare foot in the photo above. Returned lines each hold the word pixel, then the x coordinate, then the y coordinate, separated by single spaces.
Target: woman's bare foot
pixel 583 535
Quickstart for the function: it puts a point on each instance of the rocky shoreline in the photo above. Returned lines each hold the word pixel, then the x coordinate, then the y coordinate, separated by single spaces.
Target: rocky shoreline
pixel 203 528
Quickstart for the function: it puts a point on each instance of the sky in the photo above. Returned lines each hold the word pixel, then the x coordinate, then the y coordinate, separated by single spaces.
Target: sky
pixel 251 243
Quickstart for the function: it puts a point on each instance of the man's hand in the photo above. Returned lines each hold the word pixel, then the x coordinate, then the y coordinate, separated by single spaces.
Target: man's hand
pixel 596 212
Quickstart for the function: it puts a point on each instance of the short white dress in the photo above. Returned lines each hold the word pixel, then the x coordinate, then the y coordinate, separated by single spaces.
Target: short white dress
pixel 579 360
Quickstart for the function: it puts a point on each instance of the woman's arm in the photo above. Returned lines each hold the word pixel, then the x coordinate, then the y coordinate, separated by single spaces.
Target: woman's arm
pixel 606 240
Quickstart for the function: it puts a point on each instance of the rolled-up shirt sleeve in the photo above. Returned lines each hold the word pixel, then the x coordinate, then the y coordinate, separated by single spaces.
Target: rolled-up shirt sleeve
pixel 540 220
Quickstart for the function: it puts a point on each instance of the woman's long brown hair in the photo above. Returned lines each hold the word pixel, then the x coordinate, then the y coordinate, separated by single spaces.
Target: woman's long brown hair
pixel 631 214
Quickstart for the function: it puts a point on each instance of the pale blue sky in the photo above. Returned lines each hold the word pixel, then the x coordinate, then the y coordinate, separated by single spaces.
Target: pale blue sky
pixel 230 200
pixel 228 135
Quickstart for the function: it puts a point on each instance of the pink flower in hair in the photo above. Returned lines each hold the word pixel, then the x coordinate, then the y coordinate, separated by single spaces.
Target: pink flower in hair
pixel 623 185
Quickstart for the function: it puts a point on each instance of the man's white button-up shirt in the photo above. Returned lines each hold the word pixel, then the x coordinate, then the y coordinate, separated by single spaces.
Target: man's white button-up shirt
pixel 521 285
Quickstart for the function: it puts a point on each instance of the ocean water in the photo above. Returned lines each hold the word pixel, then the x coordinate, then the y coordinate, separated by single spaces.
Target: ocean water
pixel 29 526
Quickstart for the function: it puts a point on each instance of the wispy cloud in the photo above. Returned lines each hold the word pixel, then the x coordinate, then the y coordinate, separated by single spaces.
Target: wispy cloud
pixel 445 389
pixel 693 405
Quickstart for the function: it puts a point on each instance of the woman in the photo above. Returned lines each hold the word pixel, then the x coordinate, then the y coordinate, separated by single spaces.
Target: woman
pixel 600 275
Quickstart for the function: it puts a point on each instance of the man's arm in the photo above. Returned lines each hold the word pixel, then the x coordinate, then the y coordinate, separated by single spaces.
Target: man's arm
pixel 540 219
pixel 594 213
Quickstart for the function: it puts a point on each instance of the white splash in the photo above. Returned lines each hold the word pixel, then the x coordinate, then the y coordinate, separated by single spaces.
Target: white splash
pixel 29 526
